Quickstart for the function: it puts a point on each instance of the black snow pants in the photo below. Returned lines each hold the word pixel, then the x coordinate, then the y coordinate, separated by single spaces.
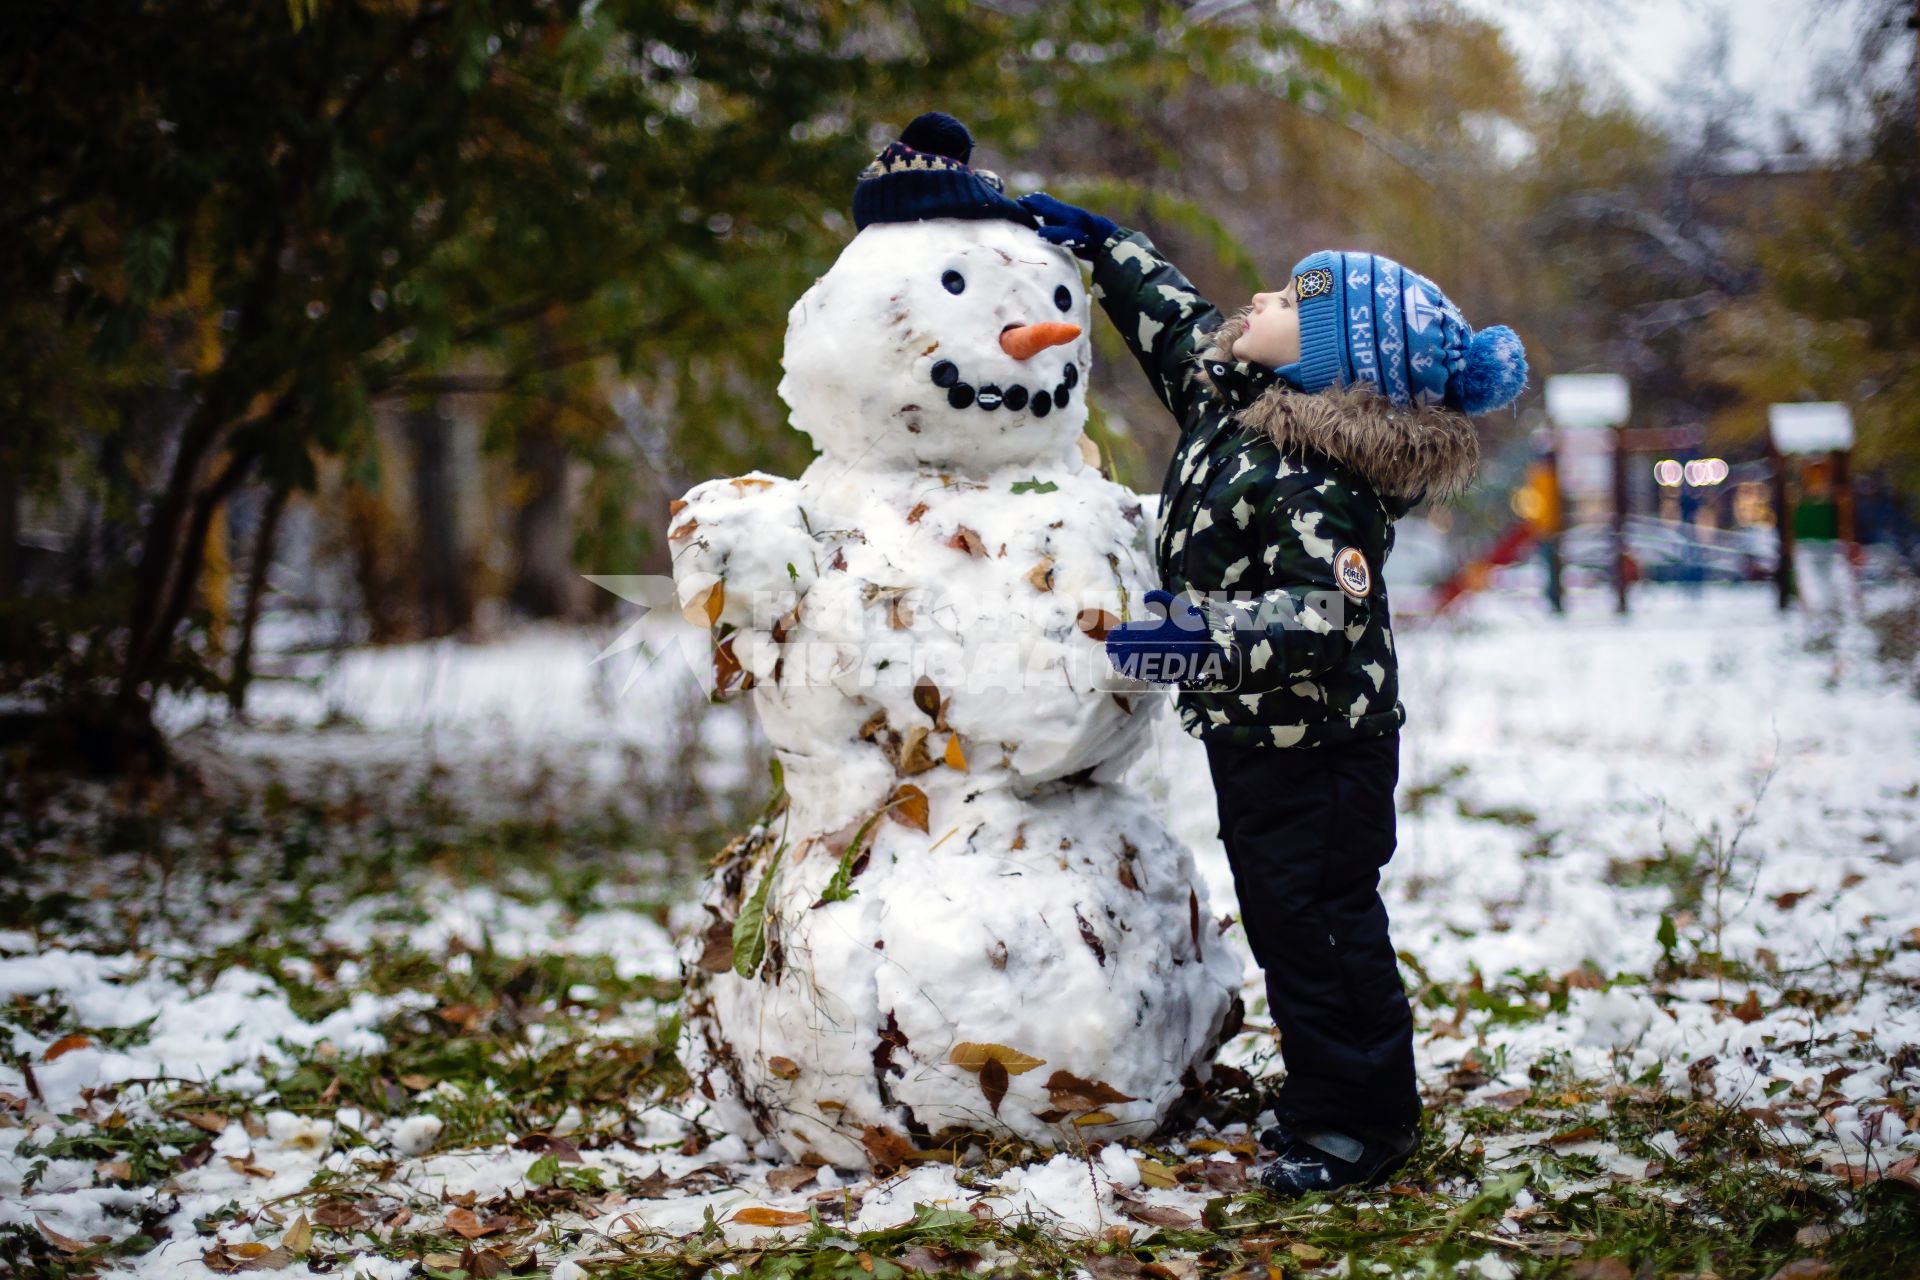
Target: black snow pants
pixel 1307 831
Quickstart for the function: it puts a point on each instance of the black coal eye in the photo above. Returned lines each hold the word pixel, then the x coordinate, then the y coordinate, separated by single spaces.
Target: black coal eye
pixel 1062 299
pixel 954 281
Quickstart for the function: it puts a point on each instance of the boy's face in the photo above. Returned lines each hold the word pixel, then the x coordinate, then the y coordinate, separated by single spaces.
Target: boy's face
pixel 1272 335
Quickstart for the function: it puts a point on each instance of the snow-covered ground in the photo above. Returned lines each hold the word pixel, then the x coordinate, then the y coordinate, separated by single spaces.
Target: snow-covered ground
pixel 1677 852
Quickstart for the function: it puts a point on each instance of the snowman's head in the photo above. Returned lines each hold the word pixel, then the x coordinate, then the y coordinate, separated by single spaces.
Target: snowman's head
pixel 954 343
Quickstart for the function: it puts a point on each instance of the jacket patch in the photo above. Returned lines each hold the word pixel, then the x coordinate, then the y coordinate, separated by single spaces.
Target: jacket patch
pixel 1351 572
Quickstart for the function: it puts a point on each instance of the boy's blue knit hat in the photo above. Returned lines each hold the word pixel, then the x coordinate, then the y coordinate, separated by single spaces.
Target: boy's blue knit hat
pixel 925 175
pixel 1367 319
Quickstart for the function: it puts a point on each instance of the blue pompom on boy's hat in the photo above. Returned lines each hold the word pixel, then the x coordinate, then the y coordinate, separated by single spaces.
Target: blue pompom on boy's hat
pixel 925 175
pixel 1367 319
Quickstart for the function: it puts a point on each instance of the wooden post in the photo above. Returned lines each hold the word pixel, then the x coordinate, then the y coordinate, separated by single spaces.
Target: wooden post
pixel 1843 516
pixel 1555 521
pixel 1783 526
pixel 1843 494
pixel 1621 494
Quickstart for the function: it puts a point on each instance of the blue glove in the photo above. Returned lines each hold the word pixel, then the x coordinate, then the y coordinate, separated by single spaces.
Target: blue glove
pixel 1165 648
pixel 1064 224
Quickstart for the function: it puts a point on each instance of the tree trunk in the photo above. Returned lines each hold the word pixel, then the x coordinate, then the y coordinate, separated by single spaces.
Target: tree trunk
pixel 544 583
pixel 9 533
pixel 169 572
pixel 446 603
pixel 258 569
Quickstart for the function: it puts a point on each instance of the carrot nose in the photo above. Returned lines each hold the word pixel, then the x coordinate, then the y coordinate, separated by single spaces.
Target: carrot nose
pixel 1025 341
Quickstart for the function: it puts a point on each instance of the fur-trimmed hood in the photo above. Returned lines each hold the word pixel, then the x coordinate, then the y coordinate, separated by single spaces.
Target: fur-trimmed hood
pixel 1404 453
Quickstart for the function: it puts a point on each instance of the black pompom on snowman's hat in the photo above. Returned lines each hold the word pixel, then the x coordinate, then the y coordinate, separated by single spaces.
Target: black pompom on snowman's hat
pixel 925 175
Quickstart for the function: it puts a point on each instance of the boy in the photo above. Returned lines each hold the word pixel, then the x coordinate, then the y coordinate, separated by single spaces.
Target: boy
pixel 1309 422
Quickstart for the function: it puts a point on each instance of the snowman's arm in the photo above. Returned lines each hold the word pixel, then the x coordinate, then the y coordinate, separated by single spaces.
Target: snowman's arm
pixel 742 549
pixel 1305 625
pixel 1158 312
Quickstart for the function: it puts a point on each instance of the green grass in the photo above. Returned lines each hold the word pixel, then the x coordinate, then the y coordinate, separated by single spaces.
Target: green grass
pixel 504 1047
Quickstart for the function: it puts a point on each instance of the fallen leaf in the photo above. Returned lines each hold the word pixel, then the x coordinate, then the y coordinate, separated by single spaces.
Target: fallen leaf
pixel 299 1236
pixel 1095 623
pixel 1581 1134
pixel 1077 1093
pixel 965 539
pixel 886 1149
pixel 956 758
pixel 1307 1253
pixel 1040 577
pixel 926 696
pixel 1224 1175
pixel 66 1244
pixel 914 756
pixel 791 1179
pixel 244 1164
pixel 467 1225
pixel 274 1259
pixel 442 1261
pixel 337 1215
pixel 1786 901
pixel 933 1259
pixel 416 1082
pixel 919 509
pixel 971 1056
pixel 726 667
pixel 1160 1215
pixel 484 1264
pixel 785 1068
pixel 761 1216
pixel 675 507
pixel 716 953
pixel 559 1148
pixel 908 807
pixel 65 1045
pixel 114 1170
pixel 1155 1174
pixel 993 1083
pixel 681 532
pixel 1749 1009
pixel 706 606
pixel 1599 1269
pixel 750 482
pixel 206 1121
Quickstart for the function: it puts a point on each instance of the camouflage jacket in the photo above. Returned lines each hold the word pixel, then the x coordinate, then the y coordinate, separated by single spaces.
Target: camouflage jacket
pixel 1277 516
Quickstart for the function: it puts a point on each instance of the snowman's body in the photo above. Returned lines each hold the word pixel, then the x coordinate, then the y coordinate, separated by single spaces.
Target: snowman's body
pixel 969 929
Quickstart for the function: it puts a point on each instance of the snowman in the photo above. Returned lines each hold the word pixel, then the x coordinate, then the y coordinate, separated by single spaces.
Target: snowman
pixel 952 926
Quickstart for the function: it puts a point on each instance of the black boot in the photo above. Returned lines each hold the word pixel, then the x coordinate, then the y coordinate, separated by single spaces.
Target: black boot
pixel 1322 1160
pixel 1279 1135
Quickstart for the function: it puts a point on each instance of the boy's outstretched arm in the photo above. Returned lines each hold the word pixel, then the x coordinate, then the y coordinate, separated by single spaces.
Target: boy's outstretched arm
pixel 1156 309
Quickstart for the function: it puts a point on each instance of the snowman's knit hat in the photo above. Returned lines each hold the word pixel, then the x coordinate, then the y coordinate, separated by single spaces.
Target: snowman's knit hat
pixel 925 175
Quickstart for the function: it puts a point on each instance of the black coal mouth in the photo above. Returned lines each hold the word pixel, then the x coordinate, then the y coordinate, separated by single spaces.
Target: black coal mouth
pixel 960 394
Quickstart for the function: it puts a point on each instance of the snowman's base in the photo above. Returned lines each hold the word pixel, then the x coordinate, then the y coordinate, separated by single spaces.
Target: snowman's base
pixel 1038 968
